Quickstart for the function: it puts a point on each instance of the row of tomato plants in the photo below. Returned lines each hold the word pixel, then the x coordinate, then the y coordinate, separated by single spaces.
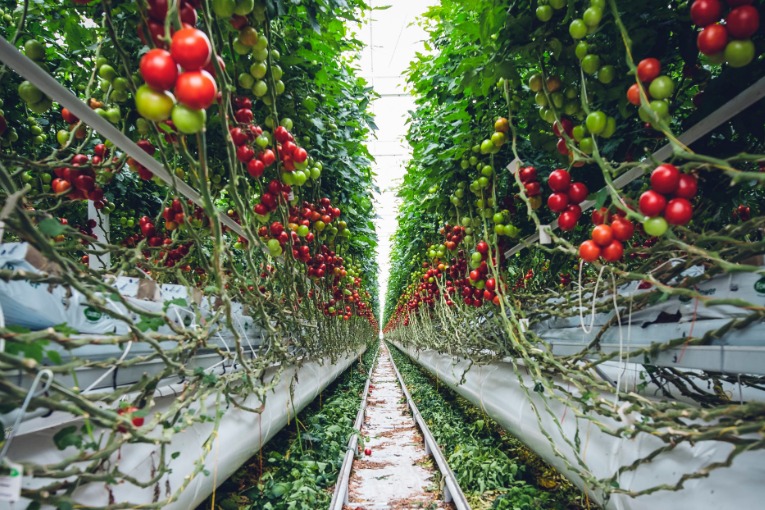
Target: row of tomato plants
pixel 547 103
pixel 197 87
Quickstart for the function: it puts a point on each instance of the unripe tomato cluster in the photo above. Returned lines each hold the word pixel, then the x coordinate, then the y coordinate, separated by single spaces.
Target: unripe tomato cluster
pixel 668 200
pixel 195 89
pixel 28 92
pixel 606 240
pixel 729 42
pixel 566 198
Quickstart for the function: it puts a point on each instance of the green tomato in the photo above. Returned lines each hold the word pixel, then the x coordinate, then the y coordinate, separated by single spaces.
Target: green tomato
pixel 557 99
pixel 244 7
pixel 224 8
pixel 245 80
pixel 483 182
pixel 601 4
pixel 107 72
pixel 260 88
pixel 261 55
pixel 571 107
pixel 120 83
pixel 486 147
pixel 29 92
pixel 606 74
pixel 592 16
pixel 610 128
pixel 498 218
pixel 656 226
pixel 739 53
pixel 577 29
pixel 581 50
pixel 536 82
pixel 591 64
pixel 544 13
pixel 586 145
pixel 41 106
pixel 661 87
pixel 661 108
pixel 258 70
pixel 35 50
pixel 277 72
pixel 487 171
pixel 579 132
pixel 153 105
pixel 596 122
pixel 279 87
pixel 547 115
pixel 119 96
pixel 188 120
pixel 541 99
pixel 113 114
pixel 262 43
pixel 302 230
pixel 557 4
pixel 300 177
pixel 46 178
pixel 274 248
pixel 239 48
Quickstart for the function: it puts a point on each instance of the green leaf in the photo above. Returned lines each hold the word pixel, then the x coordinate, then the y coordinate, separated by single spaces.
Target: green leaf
pixel 51 227
pixel 54 356
pixel 66 437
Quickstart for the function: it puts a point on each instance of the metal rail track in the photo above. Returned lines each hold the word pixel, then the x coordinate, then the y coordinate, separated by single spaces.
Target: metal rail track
pixel 452 491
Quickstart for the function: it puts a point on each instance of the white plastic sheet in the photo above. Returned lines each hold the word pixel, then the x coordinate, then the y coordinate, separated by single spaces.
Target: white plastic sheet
pixel 240 435
pixel 496 388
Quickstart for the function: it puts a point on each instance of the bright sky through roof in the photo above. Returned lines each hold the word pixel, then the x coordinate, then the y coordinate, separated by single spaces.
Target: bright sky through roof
pixel 392 38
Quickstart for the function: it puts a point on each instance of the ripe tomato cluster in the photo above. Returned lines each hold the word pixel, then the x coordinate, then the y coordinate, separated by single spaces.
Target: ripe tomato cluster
pixel 157 15
pixel 530 181
pixel 195 89
pixel 606 240
pixel 566 198
pixel 667 181
pixel 79 180
pixel 658 88
pixel 729 42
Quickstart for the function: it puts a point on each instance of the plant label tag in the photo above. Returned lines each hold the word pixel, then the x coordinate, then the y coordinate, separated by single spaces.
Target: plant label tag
pixel 10 482
pixel 544 234
pixel 524 325
pixel 513 166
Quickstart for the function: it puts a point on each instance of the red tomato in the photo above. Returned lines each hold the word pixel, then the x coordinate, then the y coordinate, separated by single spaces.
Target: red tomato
pixel 68 116
pixel 482 247
pixel 652 203
pixel 622 229
pixel 562 147
pixel 575 209
pixel 244 153
pixel 736 3
pixel 191 49
pixel 196 89
pixel 300 155
pixel 238 136
pixel 633 94
pixel 566 124
pixel 648 69
pixel 665 178
pixel 600 216
pixel 528 174
pixel 742 22
pixel 589 251
pixel 533 188
pixel 60 185
pixel 712 39
pixel 577 192
pixel 157 10
pixel 679 211
pixel 491 284
pixel 268 157
pixel 567 220
pixel 613 252
pixel 687 186
pixel 188 14
pixel 602 235
pixel 705 12
pixel 559 180
pixel 158 69
pixel 557 202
